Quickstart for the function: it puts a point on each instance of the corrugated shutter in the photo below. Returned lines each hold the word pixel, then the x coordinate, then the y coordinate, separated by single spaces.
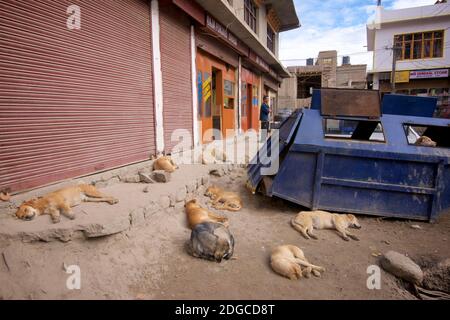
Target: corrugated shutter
pixel 176 72
pixel 73 102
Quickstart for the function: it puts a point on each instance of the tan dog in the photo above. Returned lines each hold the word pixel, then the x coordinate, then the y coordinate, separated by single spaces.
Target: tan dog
pixel 61 201
pixel 196 215
pixel 425 141
pixel 306 221
pixel 288 261
pixel 224 200
pixel 165 163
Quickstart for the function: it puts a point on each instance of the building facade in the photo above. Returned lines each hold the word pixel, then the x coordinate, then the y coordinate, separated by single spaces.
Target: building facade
pixel 323 72
pixel 418 39
pixel 87 86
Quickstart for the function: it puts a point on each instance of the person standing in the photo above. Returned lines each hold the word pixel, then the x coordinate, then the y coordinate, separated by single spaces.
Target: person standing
pixel 264 117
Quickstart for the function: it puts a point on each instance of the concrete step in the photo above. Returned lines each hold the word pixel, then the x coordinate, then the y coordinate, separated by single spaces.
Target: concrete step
pixel 101 219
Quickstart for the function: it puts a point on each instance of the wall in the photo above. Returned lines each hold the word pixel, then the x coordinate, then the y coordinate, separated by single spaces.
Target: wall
pixel 349 74
pixel 287 94
pixel 385 37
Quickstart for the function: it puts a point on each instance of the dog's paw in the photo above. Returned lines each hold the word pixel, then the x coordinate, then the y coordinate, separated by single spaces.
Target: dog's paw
pixel 113 201
pixel 71 216
pixel 346 238
pixel 56 219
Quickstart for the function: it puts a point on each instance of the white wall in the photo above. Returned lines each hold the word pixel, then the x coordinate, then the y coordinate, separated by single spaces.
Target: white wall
pixel 385 38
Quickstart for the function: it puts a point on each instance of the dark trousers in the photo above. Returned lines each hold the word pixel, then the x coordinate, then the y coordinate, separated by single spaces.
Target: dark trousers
pixel 264 130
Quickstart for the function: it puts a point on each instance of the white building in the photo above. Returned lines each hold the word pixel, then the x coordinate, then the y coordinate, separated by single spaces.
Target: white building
pixel 420 36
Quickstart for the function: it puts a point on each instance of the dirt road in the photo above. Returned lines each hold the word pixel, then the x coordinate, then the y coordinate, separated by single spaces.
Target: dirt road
pixel 150 262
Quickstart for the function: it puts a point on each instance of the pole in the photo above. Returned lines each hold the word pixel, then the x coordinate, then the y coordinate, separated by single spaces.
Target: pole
pixel 394 68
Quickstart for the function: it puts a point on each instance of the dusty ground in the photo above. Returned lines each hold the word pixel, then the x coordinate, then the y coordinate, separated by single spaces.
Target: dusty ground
pixel 150 262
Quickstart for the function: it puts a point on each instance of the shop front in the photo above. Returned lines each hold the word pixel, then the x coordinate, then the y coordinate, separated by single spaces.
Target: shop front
pixel 425 83
pixel 250 89
pixel 216 81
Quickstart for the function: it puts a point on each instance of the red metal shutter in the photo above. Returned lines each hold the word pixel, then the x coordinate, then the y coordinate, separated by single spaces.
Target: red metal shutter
pixel 73 102
pixel 176 72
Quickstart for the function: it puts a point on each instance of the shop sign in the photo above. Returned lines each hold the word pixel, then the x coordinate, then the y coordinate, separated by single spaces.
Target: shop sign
pixel 222 31
pixel 427 74
pixel 402 77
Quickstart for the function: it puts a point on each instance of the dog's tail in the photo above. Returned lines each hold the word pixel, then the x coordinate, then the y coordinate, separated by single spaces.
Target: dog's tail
pixel 299 227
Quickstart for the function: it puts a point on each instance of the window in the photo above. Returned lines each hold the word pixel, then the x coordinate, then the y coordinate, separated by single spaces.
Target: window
pixel 432 136
pixel 359 130
pixel 270 39
pixel 250 13
pixel 422 45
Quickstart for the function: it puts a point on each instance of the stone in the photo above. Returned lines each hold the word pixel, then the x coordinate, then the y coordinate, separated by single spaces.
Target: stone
pixel 191 187
pixel 201 190
pixel 402 267
pixel 113 226
pixel 145 178
pixel 217 172
pixel 137 217
pixel 179 205
pixel 164 202
pixel 131 178
pixel 107 176
pixel 205 180
pixel 146 189
pixel 161 176
pixel 181 194
pixel 151 209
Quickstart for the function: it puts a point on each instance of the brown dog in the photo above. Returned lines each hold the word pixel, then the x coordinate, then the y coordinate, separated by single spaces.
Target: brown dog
pixel 61 201
pixel 288 261
pixel 165 163
pixel 425 141
pixel 224 200
pixel 306 221
pixel 196 214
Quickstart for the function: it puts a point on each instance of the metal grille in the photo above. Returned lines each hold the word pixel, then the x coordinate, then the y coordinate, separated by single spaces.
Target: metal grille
pixel 176 73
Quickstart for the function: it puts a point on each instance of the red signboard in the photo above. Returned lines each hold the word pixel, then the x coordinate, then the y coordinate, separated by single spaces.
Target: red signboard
pixel 427 74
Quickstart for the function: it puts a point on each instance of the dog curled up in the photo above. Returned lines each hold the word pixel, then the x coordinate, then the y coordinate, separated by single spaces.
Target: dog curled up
pixel 224 200
pixel 211 241
pixel 165 163
pixel 306 221
pixel 62 201
pixel 425 141
pixel 196 214
pixel 290 262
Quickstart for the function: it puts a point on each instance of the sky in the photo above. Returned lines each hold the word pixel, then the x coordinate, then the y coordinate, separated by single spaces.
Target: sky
pixel 334 25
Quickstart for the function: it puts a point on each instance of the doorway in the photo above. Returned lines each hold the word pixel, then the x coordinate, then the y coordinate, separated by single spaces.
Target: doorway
pixel 217 102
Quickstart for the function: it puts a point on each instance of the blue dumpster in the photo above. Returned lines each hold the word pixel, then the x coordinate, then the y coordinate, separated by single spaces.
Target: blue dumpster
pixel 375 170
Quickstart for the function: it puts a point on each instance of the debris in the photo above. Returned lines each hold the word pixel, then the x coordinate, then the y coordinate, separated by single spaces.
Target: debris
pixel 387 242
pixel 5 196
pixel 5 261
pixel 430 294
pixel 84 211
pixel 146 189
pixel 416 226
pixel 161 176
pixel 217 172
pixel 376 254
pixel 437 277
pixel 144 177
pixel 64 267
pixel 402 267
